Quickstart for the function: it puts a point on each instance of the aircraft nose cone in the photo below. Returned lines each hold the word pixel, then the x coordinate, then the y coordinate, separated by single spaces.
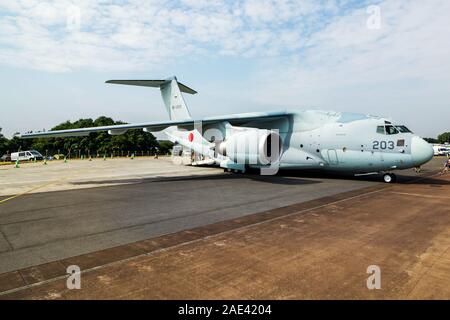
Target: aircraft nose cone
pixel 421 151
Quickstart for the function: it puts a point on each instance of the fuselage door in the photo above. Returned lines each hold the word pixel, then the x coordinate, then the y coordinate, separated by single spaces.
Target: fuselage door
pixel 332 157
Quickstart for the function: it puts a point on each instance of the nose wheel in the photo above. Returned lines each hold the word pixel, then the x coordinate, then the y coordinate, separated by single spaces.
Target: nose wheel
pixel 389 177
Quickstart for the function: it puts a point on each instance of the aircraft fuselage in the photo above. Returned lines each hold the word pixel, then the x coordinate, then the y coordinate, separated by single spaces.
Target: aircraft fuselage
pixel 335 141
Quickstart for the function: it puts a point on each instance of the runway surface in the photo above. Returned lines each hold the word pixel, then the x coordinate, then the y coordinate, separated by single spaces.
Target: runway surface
pixel 44 227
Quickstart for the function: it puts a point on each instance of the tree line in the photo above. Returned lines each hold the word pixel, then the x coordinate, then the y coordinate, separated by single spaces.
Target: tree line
pixel 442 138
pixel 96 143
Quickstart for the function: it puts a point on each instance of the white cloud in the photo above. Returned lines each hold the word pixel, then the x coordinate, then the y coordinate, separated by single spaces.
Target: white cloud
pixel 260 10
pixel 414 42
pixel 155 31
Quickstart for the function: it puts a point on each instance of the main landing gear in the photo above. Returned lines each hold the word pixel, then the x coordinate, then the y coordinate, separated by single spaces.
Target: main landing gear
pixel 389 177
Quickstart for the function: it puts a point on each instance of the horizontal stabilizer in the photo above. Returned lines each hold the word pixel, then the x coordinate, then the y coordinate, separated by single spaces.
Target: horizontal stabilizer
pixel 152 83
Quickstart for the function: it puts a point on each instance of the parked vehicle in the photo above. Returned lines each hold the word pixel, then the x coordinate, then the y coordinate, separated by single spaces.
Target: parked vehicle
pixel 5 158
pixel 440 150
pixel 27 155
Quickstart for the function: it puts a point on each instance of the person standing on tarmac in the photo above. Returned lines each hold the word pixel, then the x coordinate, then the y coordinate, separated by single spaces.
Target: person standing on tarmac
pixel 446 165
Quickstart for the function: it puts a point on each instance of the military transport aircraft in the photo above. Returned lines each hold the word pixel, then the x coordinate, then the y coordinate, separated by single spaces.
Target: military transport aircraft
pixel 298 139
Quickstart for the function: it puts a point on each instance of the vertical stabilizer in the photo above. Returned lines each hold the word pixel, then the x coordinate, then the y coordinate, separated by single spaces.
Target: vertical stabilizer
pixel 174 100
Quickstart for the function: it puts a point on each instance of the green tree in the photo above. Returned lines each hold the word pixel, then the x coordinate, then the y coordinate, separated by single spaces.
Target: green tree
pixel 431 140
pixel 96 142
pixel 444 137
pixel 165 147
pixel 17 144
pixel 4 143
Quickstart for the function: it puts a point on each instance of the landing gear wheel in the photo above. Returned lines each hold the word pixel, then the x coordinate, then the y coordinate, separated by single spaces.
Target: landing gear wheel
pixel 389 178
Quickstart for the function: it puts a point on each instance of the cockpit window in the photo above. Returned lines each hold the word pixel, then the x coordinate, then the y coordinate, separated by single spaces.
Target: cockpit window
pixel 403 129
pixel 391 130
pixel 380 129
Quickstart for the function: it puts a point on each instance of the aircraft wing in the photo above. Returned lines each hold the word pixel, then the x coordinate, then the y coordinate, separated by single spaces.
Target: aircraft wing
pixel 237 119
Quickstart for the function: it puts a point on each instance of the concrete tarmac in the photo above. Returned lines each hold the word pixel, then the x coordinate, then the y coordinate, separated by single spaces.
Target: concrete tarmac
pixel 36 177
pixel 44 227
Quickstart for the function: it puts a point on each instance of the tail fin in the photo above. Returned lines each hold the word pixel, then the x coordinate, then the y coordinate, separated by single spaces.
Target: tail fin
pixel 171 93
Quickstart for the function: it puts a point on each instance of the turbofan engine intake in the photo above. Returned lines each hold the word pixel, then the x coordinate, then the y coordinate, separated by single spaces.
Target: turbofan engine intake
pixel 252 146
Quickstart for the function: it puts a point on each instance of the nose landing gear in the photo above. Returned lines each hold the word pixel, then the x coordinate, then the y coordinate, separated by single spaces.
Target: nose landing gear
pixel 389 177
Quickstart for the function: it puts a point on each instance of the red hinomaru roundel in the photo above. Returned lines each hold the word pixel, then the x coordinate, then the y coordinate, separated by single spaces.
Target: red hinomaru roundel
pixel 191 137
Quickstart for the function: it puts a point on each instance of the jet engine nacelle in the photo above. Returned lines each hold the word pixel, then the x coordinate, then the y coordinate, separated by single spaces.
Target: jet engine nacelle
pixel 252 146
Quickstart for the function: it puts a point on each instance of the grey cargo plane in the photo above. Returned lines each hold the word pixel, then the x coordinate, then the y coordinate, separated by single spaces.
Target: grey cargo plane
pixel 298 139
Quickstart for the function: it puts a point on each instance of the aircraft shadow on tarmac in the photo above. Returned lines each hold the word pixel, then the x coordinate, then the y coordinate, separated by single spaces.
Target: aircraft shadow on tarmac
pixel 274 179
pixel 403 177
pixel 285 177
pixel 433 181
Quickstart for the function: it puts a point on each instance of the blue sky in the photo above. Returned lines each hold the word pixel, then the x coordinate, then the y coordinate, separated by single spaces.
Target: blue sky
pixel 390 60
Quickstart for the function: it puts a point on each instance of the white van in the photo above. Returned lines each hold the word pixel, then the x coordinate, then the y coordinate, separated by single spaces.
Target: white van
pixel 440 150
pixel 26 155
